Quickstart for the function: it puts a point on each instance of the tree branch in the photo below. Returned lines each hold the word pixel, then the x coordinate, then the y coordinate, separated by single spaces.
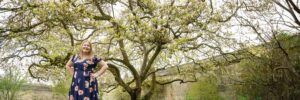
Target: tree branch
pixel 175 80
pixel 116 73
pixel 146 69
pixel 68 32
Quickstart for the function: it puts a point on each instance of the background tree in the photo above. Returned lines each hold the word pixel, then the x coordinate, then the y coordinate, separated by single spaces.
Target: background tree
pixel 272 66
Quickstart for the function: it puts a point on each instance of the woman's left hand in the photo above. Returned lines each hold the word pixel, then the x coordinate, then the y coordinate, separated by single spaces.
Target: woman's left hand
pixel 95 75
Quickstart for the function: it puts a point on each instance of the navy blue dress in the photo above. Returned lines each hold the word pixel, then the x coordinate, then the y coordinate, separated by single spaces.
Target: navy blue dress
pixel 83 87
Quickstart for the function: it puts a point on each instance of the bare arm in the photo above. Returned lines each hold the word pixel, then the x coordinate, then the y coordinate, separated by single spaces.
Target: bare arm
pixel 103 66
pixel 69 66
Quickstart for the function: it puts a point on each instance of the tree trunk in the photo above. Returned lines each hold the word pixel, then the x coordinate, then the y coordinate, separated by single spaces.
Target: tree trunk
pixel 151 91
pixel 136 95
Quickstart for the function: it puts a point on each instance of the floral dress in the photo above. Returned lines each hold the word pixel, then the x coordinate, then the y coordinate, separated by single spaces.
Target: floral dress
pixel 83 87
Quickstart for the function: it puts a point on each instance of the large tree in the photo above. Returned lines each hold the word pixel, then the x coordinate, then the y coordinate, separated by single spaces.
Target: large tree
pixel 139 37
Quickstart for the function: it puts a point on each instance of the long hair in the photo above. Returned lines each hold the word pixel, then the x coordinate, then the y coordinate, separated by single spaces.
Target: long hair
pixel 90 54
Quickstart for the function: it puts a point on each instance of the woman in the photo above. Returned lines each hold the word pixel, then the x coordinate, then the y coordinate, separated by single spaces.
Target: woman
pixel 82 66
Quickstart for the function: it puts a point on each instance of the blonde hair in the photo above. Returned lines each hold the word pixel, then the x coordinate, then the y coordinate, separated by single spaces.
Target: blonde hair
pixel 90 53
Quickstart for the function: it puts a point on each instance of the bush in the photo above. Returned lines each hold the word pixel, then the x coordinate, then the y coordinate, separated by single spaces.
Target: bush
pixel 11 84
pixel 205 89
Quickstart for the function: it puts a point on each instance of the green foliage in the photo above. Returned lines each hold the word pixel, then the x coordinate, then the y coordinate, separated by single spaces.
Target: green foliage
pixel 205 89
pixel 256 75
pixel 11 84
pixel 61 87
pixel 120 94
